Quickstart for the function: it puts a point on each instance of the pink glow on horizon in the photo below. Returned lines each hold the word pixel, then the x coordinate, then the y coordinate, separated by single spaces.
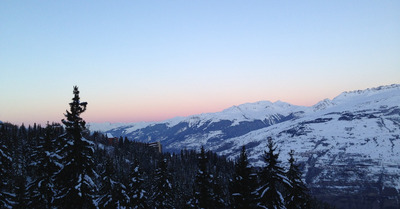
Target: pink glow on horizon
pixel 155 114
pixel 134 109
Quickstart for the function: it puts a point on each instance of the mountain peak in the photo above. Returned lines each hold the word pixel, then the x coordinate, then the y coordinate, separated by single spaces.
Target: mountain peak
pixel 373 90
pixel 323 105
pixel 362 96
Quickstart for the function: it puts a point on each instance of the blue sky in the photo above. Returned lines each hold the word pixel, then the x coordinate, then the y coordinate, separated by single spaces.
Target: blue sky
pixel 153 60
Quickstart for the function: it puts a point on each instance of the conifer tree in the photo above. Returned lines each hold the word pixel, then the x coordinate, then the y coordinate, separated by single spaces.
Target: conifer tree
pixel 126 142
pixel 217 192
pixel 120 142
pixel 5 169
pixel 203 194
pixel 21 152
pixel 42 189
pixel 21 197
pixel 112 193
pixel 243 184
pixel 162 197
pixel 272 180
pixel 297 196
pixel 76 188
pixel 136 193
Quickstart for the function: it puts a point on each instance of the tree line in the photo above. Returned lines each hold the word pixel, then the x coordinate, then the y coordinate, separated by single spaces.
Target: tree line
pixel 66 166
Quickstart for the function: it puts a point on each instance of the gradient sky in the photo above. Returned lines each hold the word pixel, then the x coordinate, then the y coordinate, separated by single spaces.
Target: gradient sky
pixel 154 60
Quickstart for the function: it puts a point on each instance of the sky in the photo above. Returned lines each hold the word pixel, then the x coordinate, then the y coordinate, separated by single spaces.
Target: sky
pixel 154 60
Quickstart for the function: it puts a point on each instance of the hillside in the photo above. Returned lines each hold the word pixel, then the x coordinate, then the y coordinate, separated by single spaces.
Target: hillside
pixel 349 146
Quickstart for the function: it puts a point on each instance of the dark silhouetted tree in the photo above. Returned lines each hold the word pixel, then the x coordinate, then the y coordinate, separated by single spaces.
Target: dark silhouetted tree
pixel 76 188
pixel 112 193
pixel 217 192
pixel 162 197
pixel 136 193
pixel 5 168
pixel 297 194
pixel 42 189
pixel 243 184
pixel 203 194
pixel 272 180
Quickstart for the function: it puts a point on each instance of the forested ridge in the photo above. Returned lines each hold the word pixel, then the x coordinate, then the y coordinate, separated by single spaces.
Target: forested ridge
pixel 66 166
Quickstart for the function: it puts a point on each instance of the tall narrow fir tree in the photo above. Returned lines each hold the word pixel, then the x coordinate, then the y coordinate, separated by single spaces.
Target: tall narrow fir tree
pixel 162 197
pixel 136 193
pixel 273 180
pixel 297 195
pixel 243 184
pixel 203 193
pixel 76 188
pixel 41 189
pixel 112 193
pixel 5 169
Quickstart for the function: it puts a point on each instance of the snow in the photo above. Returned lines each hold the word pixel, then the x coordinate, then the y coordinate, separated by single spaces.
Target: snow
pixel 366 142
pixel 5 156
pixel 89 180
pixel 245 112
pixel 103 127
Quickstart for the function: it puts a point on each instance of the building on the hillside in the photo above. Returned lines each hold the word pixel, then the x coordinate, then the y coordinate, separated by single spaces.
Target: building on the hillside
pixel 112 139
pixel 157 146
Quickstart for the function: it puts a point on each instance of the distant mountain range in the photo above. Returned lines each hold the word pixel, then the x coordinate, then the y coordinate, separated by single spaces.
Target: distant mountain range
pixel 349 146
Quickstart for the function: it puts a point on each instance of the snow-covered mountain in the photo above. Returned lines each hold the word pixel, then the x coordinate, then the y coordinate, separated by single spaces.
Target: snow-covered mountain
pixel 348 145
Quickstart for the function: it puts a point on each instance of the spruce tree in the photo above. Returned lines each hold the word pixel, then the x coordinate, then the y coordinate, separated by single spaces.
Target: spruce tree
pixel 5 169
pixel 21 153
pixel 76 188
pixel 120 142
pixel 243 184
pixel 162 197
pixel 112 193
pixel 136 193
pixel 297 195
pixel 217 192
pixel 21 197
pixel 126 143
pixel 41 189
pixel 272 180
pixel 203 194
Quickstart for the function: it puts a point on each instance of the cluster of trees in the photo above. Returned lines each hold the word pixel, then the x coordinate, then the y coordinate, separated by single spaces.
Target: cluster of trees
pixel 67 167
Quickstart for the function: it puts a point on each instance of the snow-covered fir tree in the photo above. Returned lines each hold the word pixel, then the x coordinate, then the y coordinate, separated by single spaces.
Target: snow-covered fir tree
pixel 136 193
pixel 21 195
pixel 272 180
pixel 76 188
pixel 21 155
pixel 203 193
pixel 243 184
pixel 218 193
pixel 297 195
pixel 41 189
pixel 162 197
pixel 112 193
pixel 5 169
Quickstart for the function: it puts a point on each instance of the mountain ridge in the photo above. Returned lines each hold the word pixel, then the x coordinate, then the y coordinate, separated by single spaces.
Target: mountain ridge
pixel 323 104
pixel 347 145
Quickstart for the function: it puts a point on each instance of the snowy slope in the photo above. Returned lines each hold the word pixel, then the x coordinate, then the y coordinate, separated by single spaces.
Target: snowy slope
pixel 198 129
pixel 350 144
